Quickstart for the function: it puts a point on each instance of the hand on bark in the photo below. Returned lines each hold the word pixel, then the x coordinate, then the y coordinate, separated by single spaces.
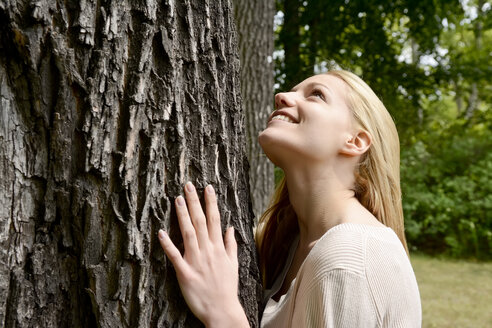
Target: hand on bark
pixel 208 271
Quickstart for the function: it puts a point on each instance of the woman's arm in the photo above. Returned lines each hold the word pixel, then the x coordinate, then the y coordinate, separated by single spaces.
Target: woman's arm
pixel 208 271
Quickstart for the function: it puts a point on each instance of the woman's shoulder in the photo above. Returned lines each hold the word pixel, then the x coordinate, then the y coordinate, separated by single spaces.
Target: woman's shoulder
pixel 352 247
pixel 370 262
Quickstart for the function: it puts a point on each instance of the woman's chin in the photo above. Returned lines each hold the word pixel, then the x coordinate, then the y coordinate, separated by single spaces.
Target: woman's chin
pixel 277 150
pixel 269 139
pixel 271 133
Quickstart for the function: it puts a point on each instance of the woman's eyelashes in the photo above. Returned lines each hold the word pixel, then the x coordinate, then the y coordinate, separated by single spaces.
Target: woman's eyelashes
pixel 317 93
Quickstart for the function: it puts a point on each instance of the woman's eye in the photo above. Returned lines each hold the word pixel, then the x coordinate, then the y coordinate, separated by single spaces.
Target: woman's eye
pixel 318 93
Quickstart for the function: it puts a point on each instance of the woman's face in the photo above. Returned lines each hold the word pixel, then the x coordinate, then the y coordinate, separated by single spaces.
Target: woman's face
pixel 312 122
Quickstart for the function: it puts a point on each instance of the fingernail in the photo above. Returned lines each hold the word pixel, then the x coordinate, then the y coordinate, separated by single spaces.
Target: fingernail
pixel 210 189
pixel 190 187
pixel 162 234
pixel 180 200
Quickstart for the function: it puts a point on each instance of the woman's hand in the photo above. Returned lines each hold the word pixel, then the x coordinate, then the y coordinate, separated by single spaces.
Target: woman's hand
pixel 208 271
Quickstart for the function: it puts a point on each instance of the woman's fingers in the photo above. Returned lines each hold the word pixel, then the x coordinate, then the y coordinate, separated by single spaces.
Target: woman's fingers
pixel 230 244
pixel 187 229
pixel 171 251
pixel 196 213
pixel 197 229
pixel 213 215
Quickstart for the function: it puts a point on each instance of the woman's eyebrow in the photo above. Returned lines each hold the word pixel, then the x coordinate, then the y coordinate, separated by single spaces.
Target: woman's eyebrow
pixel 310 86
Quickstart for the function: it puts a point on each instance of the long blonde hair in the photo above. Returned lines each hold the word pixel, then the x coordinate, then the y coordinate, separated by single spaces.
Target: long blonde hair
pixel 377 181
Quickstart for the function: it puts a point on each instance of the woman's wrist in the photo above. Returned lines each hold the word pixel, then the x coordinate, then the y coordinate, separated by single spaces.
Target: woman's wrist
pixel 231 316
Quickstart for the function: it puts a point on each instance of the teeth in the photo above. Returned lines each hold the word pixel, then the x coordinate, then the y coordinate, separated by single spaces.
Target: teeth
pixel 283 118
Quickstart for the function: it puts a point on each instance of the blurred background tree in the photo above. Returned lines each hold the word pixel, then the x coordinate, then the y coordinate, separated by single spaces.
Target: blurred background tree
pixel 429 61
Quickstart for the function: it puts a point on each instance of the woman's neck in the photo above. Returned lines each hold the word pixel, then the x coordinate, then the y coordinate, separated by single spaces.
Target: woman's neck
pixel 323 198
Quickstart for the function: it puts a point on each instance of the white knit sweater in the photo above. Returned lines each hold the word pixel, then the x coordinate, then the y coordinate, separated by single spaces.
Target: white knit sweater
pixel 356 275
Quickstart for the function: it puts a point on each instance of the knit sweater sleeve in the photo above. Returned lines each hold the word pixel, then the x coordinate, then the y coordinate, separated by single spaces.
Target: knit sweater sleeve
pixel 339 298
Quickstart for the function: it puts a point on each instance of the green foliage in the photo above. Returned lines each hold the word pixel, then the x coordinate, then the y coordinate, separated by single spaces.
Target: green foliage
pixel 429 61
pixel 447 193
pixel 279 174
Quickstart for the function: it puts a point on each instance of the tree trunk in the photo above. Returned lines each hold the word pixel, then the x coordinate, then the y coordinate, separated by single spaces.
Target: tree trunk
pixel 107 109
pixel 290 39
pixel 254 21
pixel 474 98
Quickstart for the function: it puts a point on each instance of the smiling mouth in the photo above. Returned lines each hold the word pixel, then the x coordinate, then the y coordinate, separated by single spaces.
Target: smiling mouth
pixel 281 117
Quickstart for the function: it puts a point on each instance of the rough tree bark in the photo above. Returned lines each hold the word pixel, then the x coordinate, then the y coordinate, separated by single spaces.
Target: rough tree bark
pixel 107 108
pixel 254 21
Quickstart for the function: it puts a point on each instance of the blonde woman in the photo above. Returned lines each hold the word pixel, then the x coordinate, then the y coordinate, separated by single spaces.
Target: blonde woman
pixel 332 246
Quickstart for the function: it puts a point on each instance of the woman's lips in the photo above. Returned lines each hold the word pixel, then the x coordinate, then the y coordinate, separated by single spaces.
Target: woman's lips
pixel 282 116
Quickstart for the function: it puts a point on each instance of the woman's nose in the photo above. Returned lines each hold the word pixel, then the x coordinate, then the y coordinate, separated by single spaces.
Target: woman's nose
pixel 284 99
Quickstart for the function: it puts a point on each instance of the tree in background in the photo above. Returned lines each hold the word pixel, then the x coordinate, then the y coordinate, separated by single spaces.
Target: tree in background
pixel 429 61
pixel 254 21
pixel 107 109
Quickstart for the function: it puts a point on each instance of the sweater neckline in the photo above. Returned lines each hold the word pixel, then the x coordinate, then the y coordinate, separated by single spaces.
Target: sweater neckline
pixel 359 227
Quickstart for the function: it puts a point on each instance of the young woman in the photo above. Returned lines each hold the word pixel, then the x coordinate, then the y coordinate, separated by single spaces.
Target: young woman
pixel 332 246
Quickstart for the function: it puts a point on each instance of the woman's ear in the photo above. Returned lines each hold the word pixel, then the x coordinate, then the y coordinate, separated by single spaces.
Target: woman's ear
pixel 357 144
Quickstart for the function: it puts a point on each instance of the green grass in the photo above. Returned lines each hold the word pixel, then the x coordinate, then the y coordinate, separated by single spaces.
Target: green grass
pixel 454 293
